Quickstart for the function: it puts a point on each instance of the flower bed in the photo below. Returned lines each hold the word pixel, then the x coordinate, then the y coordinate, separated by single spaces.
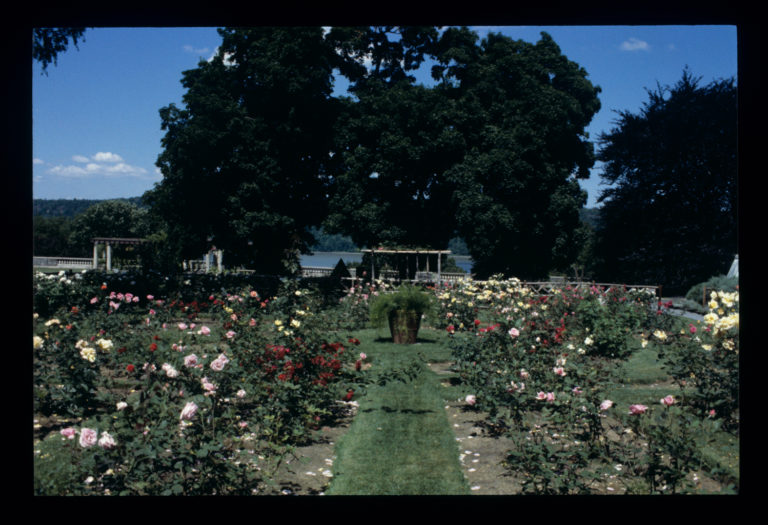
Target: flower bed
pixel 183 394
pixel 541 367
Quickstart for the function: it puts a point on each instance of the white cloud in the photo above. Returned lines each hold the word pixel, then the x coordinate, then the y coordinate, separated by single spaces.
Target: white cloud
pixel 38 161
pixel 100 165
pixel 197 50
pixel 634 44
pixel 227 58
pixel 68 171
pixel 107 157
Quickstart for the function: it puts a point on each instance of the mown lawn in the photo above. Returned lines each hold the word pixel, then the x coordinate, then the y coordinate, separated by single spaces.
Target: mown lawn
pixel 401 442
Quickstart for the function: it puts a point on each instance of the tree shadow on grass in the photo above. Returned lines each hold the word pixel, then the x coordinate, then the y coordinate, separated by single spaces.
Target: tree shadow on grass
pixel 419 340
pixel 389 410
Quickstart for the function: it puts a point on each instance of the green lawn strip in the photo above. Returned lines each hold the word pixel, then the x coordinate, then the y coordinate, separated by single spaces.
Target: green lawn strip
pixel 400 442
pixel 646 382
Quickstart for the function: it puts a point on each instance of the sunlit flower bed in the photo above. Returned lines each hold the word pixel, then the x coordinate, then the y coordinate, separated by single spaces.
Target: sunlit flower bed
pixel 172 395
pixel 541 366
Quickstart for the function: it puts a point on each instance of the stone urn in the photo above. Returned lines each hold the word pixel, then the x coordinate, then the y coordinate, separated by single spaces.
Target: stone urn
pixel 404 326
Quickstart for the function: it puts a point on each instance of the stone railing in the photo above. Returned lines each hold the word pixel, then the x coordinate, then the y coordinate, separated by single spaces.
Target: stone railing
pixel 315 271
pixel 62 262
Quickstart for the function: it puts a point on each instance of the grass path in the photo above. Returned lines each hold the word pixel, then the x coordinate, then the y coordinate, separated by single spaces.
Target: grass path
pixel 400 442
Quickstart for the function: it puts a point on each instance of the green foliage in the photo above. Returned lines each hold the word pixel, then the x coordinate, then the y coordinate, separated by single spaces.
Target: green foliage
pixel 110 218
pixel 50 236
pixel 72 207
pixel 406 298
pixel 718 283
pixel 251 148
pixel 669 215
pixel 48 42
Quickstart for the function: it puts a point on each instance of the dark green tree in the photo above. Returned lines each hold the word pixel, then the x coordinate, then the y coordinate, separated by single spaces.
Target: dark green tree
pixel 245 162
pixel 395 145
pixel 48 42
pixel 521 109
pixel 50 236
pixel 669 215
pixel 109 218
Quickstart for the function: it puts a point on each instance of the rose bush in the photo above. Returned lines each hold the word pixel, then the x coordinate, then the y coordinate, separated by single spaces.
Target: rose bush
pixel 189 395
pixel 541 367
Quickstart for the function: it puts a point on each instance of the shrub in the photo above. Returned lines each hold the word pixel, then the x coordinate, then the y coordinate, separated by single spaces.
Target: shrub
pixel 719 282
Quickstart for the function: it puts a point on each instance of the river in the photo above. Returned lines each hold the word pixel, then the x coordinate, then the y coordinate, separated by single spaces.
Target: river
pixel 331 259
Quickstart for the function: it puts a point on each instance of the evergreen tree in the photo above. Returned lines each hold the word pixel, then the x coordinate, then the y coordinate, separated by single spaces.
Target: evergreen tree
pixel 669 215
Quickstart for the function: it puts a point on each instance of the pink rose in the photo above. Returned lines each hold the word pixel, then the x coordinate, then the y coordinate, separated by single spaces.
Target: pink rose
pixel 68 433
pixel 514 332
pixel 523 374
pixel 362 355
pixel 470 399
pixel 577 390
pixel 188 412
pixel 252 322
pixel 88 437
pixel 190 360
pixel 150 297
pixel 94 300
pixel 559 370
pixel 668 401
pixel 605 405
pixel 182 326
pixel 230 334
pixel 637 409
pixel 106 441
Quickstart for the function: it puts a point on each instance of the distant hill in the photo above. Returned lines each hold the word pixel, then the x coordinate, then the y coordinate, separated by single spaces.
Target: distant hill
pixel 70 207
pixel 591 216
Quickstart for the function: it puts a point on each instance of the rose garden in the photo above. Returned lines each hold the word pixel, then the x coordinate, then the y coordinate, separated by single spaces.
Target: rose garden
pixel 213 385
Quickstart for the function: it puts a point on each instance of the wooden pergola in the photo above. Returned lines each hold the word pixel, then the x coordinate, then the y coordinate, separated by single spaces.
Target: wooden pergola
pixel 406 252
pixel 109 242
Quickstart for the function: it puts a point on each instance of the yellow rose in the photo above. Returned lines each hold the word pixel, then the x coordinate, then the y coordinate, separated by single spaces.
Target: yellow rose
pixel 88 353
pixel 37 342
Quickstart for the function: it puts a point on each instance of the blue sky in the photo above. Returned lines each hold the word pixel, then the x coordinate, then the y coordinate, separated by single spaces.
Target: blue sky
pixel 96 127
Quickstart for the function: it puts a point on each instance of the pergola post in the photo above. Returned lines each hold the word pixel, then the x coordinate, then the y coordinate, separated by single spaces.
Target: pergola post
pixel 439 282
pixel 109 257
pixel 95 255
pixel 218 260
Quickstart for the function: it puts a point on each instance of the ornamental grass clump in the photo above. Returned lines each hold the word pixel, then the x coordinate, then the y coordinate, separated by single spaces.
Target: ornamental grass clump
pixel 402 310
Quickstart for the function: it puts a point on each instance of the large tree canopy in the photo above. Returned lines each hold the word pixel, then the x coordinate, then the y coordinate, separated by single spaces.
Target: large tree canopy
pixel 491 152
pixel 669 217
pixel 521 109
pixel 244 164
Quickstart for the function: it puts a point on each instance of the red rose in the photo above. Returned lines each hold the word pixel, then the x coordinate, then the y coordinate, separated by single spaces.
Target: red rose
pixel 349 395
pixel 152 347
pixel 130 368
